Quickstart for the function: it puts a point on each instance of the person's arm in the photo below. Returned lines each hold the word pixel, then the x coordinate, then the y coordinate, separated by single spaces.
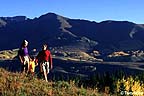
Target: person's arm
pixel 20 57
pixel 37 57
pixel 50 61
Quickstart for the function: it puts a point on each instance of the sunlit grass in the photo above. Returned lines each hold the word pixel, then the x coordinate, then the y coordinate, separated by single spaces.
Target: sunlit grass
pixel 17 84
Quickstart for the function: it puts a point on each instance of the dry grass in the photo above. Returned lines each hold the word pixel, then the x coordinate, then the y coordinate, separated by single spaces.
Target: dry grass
pixel 17 84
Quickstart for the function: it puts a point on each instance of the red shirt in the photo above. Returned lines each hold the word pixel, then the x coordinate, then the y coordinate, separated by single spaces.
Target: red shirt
pixel 44 55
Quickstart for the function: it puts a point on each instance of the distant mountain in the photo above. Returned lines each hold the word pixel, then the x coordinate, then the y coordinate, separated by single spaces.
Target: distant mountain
pixel 73 34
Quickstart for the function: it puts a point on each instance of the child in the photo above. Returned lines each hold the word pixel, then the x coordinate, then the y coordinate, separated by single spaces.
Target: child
pixel 32 66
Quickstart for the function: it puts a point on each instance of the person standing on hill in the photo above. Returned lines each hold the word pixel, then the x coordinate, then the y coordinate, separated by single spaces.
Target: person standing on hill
pixel 45 61
pixel 24 56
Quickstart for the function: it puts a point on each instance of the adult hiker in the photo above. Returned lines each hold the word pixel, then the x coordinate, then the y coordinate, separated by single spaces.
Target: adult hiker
pixel 45 61
pixel 24 56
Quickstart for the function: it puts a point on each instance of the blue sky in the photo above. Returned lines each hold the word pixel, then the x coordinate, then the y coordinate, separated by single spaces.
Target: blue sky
pixel 94 10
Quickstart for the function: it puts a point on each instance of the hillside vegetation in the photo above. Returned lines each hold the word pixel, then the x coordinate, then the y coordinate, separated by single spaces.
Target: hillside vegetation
pixel 17 84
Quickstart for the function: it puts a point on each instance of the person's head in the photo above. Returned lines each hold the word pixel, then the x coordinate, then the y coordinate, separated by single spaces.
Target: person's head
pixel 25 43
pixel 32 58
pixel 44 47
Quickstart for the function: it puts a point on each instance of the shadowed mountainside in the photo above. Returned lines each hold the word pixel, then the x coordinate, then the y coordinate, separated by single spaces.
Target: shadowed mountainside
pixel 106 36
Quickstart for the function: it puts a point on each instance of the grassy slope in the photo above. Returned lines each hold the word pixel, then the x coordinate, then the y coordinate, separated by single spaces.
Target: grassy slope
pixel 21 85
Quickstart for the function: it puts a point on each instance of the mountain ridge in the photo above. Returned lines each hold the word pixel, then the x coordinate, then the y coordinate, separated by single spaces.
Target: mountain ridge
pixel 58 30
